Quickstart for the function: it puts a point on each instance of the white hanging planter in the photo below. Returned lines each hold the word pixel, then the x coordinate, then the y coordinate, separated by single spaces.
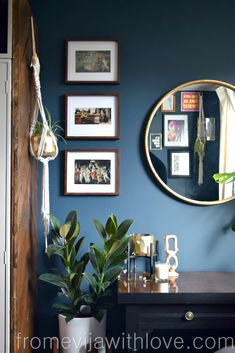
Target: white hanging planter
pixel 79 333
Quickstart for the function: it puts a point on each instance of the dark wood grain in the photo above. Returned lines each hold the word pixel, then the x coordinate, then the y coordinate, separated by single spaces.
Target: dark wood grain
pixel 24 185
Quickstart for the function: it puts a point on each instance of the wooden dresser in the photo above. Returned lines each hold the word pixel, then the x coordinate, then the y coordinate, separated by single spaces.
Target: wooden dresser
pixel 195 301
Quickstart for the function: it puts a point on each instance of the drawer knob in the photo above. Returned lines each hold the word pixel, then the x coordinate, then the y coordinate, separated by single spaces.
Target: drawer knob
pixel 189 315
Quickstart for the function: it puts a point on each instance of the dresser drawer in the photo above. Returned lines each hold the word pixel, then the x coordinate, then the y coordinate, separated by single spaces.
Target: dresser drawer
pixel 146 318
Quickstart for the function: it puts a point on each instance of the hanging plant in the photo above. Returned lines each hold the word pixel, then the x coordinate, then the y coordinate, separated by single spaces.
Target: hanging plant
pixel 53 133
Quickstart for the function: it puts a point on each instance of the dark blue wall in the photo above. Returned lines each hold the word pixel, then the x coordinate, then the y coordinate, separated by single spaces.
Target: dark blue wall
pixel 163 44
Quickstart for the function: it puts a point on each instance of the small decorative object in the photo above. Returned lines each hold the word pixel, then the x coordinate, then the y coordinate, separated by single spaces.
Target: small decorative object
pixel 179 164
pixel 161 271
pixel 171 254
pixel 92 172
pixel 90 61
pixel 210 129
pixel 92 116
pixel 155 141
pixel 199 145
pixel 190 101
pixel 169 104
pixel 175 130
pixel 141 245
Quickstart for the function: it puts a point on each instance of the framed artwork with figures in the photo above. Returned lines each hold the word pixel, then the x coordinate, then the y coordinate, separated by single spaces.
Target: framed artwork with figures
pixel 91 172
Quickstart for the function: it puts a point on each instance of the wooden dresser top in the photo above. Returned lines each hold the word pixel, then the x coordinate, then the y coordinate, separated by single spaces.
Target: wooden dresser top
pixel 189 286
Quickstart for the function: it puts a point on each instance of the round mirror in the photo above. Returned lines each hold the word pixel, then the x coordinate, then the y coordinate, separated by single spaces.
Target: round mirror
pixel 190 136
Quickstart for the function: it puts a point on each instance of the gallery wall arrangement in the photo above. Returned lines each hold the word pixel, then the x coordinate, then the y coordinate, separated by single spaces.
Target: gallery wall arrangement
pixel 93 116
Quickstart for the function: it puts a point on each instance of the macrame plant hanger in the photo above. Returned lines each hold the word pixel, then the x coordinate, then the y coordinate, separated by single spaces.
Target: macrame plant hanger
pixel 199 146
pixel 46 132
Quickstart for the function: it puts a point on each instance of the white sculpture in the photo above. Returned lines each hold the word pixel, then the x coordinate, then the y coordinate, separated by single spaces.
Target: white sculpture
pixel 171 254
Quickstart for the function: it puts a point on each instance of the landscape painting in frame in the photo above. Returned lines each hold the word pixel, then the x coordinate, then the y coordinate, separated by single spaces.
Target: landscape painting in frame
pixel 92 116
pixel 175 130
pixel 92 172
pixel 92 61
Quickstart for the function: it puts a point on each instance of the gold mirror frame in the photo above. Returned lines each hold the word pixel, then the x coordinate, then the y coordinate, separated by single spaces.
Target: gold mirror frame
pixel 152 115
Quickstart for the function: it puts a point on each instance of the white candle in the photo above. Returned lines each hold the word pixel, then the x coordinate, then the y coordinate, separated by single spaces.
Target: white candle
pixel 161 270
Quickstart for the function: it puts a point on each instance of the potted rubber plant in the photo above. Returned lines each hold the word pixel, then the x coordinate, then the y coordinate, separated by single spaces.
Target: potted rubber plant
pixel 82 317
pixel 74 322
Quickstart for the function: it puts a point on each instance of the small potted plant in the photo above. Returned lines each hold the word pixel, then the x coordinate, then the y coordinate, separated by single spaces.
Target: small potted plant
pixel 82 317
pixel 50 148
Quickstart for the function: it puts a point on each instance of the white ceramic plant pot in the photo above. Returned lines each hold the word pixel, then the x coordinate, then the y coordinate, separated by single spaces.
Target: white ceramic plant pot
pixel 77 335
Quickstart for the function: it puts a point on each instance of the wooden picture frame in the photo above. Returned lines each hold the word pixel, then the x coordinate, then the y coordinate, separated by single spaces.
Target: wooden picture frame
pixel 176 130
pixel 92 172
pixel 92 61
pixel 179 164
pixel 92 116
pixel 169 104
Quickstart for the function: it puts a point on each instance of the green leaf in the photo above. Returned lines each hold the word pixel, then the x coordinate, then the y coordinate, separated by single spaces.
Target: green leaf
pixel 54 249
pixel 94 261
pixel 91 281
pixel 78 276
pixel 111 227
pixel 69 318
pixel 85 259
pixel 71 217
pixel 55 223
pixel 100 229
pixel 124 227
pixel 118 248
pixel 100 257
pixel 118 259
pixel 79 244
pixel 99 315
pixel 75 226
pixel 108 244
pixel 75 233
pixel 64 229
pixel 53 279
pixel 112 274
pixel 233 227
pixel 56 238
pixel 222 178
pixel 62 306
pixel 72 258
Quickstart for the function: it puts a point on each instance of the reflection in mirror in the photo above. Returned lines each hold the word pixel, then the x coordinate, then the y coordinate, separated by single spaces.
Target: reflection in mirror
pixel 190 136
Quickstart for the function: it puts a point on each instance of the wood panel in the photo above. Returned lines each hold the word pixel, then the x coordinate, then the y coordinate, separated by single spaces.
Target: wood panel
pixel 24 186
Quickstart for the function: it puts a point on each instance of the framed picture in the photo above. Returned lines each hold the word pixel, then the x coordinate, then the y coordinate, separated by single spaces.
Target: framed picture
pixel 179 164
pixel 210 129
pixel 190 101
pixel 175 130
pixel 92 172
pixel 92 116
pixel 169 104
pixel 92 61
pixel 155 141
